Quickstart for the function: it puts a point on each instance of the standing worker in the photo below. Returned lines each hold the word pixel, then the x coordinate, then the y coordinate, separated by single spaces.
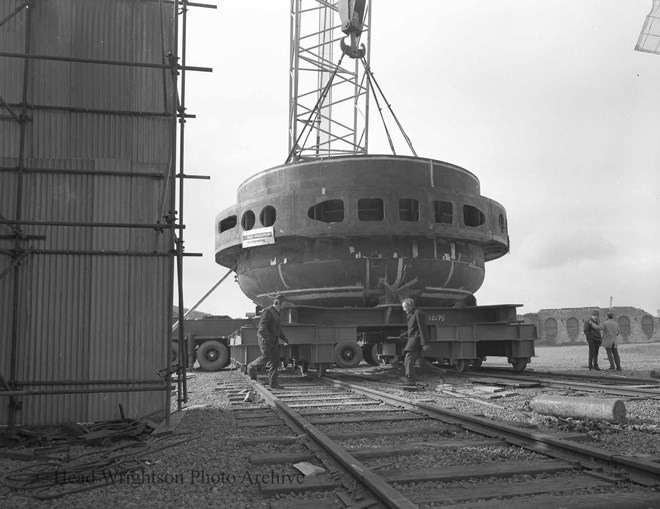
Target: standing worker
pixel 417 338
pixel 611 333
pixel 592 331
pixel 268 334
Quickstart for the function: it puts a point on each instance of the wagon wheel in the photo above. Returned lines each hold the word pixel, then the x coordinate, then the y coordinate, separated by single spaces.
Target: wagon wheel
pixel 347 355
pixel 476 363
pixel 370 354
pixel 320 369
pixel 519 364
pixel 461 365
pixel 212 355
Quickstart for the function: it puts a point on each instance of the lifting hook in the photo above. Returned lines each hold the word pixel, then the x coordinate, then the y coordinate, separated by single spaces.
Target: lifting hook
pixel 351 13
pixel 352 50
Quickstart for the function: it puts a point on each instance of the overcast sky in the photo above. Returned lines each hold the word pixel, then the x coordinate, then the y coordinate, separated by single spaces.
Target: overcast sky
pixel 547 103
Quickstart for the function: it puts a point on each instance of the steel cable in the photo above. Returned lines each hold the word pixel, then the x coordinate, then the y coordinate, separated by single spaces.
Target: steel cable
pixel 371 77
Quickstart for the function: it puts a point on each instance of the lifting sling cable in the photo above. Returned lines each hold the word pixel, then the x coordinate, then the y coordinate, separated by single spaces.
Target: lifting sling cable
pixel 377 87
pixel 371 81
pixel 314 114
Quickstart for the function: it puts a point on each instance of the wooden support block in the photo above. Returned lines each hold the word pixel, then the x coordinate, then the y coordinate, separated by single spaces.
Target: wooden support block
pixel 299 484
pixel 258 424
pixel 277 458
pixel 271 439
pixel 167 429
pixel 392 432
pixel 507 489
pixel 598 409
pixel 460 473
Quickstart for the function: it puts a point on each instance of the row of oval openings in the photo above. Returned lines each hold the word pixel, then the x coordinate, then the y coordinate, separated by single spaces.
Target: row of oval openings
pixel 573 328
pixel 369 209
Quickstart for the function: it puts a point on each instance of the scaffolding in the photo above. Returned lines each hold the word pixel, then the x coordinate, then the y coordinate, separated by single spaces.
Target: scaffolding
pixel 102 247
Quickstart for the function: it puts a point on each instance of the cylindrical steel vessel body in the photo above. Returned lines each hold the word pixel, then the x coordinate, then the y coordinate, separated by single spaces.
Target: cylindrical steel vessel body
pixel 363 231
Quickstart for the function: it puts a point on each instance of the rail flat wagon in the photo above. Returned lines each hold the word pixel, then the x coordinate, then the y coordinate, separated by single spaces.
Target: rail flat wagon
pixel 460 337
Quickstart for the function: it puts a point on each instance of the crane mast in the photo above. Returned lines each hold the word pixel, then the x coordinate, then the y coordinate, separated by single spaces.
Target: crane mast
pixel 329 94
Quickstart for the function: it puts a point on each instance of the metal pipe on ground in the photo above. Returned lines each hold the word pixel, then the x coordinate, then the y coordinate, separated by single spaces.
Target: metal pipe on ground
pixel 599 409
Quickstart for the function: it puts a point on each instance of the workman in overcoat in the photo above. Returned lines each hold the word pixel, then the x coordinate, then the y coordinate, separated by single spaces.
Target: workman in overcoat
pixel 592 330
pixel 417 338
pixel 269 333
pixel 611 333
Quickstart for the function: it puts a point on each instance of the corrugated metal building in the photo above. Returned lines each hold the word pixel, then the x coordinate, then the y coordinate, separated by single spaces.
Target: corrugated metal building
pixel 87 158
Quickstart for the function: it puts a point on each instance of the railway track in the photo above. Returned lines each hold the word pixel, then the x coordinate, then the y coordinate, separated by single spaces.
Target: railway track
pixel 626 387
pixel 378 449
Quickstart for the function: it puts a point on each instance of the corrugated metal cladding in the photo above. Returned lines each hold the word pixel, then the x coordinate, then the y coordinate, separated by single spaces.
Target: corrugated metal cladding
pixel 93 302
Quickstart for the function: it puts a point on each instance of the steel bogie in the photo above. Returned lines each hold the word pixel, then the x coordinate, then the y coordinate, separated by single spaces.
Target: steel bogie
pixel 519 363
pixel 370 353
pixel 460 346
pixel 476 363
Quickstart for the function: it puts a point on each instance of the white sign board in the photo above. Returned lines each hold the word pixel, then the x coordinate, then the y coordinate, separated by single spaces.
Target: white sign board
pixel 258 237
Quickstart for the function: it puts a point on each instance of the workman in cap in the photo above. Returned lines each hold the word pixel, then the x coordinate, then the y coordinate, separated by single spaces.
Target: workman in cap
pixel 417 338
pixel 269 333
pixel 592 330
pixel 611 333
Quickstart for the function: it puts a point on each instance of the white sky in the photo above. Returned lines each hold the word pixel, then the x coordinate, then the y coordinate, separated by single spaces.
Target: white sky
pixel 547 103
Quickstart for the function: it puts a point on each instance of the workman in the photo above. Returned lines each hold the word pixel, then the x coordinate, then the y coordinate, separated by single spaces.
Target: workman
pixel 417 338
pixel 269 333
pixel 592 330
pixel 611 333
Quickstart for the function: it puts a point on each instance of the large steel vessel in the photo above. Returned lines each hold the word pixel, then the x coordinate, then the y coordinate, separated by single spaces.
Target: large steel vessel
pixel 362 231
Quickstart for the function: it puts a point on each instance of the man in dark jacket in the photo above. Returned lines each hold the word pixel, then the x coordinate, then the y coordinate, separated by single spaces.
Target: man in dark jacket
pixel 269 333
pixel 592 330
pixel 417 337
pixel 611 333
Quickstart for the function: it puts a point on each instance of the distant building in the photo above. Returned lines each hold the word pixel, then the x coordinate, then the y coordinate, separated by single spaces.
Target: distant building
pixel 564 326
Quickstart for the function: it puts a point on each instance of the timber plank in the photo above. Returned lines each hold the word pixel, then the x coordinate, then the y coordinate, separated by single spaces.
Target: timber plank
pixel 274 459
pixel 507 489
pixel 340 403
pixel 258 424
pixel 167 429
pixel 506 382
pixel 325 398
pixel 341 420
pixel 303 504
pixel 254 415
pixel 375 452
pixel 387 432
pixel 349 411
pixel 310 394
pixel 270 439
pixel 447 474
pixel 641 500
pixel 319 482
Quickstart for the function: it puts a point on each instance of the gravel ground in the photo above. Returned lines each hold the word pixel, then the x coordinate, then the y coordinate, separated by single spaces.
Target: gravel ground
pixel 213 469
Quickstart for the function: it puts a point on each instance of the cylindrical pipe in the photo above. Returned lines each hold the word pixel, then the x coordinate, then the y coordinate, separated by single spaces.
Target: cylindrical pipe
pixel 612 410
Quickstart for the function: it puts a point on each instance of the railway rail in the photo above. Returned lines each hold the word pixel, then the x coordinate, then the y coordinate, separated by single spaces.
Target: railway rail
pixel 406 453
pixel 626 387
